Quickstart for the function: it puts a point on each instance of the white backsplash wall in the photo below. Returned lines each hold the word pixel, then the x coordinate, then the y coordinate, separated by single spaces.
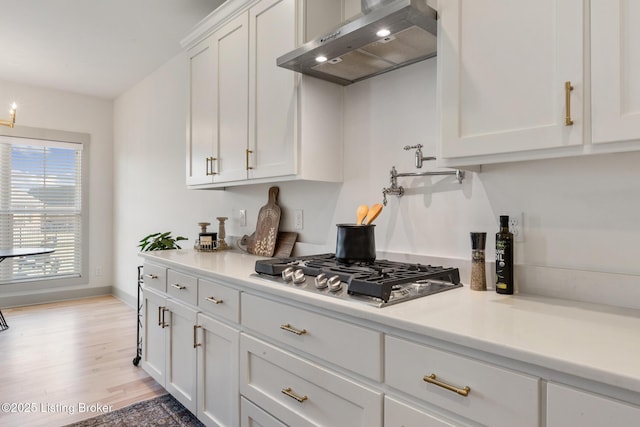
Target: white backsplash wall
pixel 579 214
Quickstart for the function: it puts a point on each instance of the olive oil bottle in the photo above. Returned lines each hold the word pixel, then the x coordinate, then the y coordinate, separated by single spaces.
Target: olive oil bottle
pixel 504 258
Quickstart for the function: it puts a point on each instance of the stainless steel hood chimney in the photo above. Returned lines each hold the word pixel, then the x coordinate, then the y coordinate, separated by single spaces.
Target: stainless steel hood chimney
pixel 389 36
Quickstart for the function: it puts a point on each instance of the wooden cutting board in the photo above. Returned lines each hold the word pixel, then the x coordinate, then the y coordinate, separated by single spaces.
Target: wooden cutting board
pixel 266 233
pixel 285 243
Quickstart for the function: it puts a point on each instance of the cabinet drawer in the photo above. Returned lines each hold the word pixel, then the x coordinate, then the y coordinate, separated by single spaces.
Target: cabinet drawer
pixel 567 406
pixel 182 287
pixel 219 300
pixel 301 393
pixel 155 277
pixel 347 345
pixel 398 414
pixel 497 397
pixel 253 416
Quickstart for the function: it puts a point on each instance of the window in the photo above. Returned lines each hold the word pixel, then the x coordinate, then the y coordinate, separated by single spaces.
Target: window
pixel 41 206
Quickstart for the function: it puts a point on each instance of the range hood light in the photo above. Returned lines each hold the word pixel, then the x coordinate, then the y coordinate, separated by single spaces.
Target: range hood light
pixel 321 58
pixel 383 33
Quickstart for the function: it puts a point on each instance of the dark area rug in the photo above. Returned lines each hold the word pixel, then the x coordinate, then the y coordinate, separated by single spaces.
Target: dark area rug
pixel 159 411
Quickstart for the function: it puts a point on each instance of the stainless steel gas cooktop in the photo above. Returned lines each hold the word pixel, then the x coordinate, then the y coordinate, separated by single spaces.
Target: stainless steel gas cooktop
pixel 380 283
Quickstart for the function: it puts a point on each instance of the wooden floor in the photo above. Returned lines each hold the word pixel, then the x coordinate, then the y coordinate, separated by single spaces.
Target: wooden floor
pixel 58 359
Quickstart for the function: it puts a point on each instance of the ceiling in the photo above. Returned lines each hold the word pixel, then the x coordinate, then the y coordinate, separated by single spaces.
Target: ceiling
pixel 93 47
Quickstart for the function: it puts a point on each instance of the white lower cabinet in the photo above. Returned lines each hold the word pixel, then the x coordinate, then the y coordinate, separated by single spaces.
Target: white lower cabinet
pixel 181 354
pixel 191 354
pixel 567 406
pixel 168 354
pixel 217 372
pixel 253 416
pixel 301 393
pixel 154 335
pixel 469 388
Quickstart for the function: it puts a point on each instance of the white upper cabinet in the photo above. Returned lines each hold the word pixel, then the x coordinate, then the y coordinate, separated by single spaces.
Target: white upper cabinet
pixel 272 89
pixel 502 68
pixel 249 120
pixel 615 70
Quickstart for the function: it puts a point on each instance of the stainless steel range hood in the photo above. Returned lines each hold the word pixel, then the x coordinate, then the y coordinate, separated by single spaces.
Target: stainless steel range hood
pixel 357 51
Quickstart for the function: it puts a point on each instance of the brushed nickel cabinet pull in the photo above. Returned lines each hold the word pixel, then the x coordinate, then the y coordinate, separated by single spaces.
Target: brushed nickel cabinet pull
pixel 179 287
pixel 567 100
pixel 195 336
pixel 292 395
pixel 287 327
pixel 151 276
pixel 461 391
pixel 247 152
pixel 208 166
pixel 214 300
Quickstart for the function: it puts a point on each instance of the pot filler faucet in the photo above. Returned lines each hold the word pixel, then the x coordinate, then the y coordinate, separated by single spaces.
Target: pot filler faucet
pixel 397 190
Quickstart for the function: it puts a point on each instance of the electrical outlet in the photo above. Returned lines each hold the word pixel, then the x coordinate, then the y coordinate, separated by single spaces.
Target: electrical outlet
pixel 516 226
pixel 98 271
pixel 298 223
pixel 242 217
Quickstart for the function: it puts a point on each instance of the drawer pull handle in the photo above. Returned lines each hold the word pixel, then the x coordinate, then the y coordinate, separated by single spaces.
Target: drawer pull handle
pixel 179 287
pixel 151 276
pixel 292 395
pixel 195 336
pixel 461 391
pixel 567 100
pixel 287 327
pixel 160 308
pixel 214 300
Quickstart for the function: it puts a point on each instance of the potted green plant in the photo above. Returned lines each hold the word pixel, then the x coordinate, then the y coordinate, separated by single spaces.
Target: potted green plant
pixel 160 242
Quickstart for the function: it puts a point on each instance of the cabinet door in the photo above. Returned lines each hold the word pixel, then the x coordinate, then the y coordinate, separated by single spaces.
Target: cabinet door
pixel 273 106
pixel 615 70
pixel 230 79
pixel 571 407
pixel 218 354
pixel 181 354
pixel 201 127
pixel 153 338
pixel 502 66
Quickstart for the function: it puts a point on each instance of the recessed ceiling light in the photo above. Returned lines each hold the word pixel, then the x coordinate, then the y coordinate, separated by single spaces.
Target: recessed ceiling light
pixel 321 58
pixel 383 33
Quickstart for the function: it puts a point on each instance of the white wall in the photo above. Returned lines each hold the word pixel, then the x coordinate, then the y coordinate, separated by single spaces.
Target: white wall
pixel 52 109
pixel 580 214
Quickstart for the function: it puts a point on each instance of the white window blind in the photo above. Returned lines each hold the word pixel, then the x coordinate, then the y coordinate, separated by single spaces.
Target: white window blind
pixel 40 206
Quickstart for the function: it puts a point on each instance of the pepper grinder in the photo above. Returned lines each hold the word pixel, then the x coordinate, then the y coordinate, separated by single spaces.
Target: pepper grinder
pixel 478 274
pixel 221 233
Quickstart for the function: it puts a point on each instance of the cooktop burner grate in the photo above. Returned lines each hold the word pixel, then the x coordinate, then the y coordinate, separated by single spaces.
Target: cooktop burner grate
pixel 378 279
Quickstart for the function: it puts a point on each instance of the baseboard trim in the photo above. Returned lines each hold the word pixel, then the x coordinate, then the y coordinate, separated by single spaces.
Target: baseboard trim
pixel 53 295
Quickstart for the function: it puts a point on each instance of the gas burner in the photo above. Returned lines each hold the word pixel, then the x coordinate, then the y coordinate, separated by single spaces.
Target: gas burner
pixel 379 283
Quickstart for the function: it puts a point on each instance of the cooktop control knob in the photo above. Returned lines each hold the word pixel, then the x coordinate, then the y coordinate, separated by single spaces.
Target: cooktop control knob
pixel 298 276
pixel 321 281
pixel 287 274
pixel 334 283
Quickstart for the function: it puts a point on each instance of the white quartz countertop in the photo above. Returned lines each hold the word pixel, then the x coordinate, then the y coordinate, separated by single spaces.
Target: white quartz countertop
pixel 595 342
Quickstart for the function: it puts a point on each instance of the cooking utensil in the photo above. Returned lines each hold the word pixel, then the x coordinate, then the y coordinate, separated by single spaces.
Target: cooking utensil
pixel 361 213
pixel 373 213
pixel 267 227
